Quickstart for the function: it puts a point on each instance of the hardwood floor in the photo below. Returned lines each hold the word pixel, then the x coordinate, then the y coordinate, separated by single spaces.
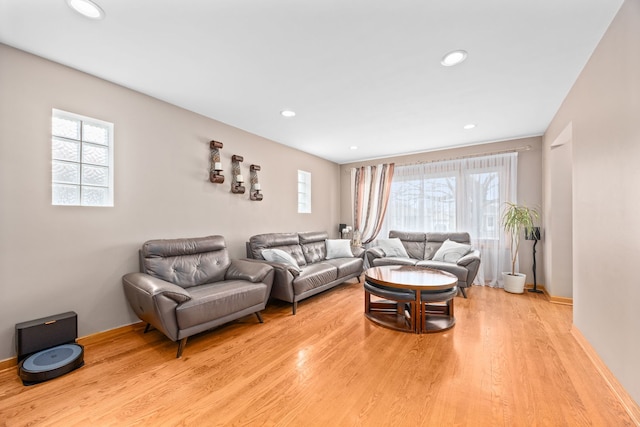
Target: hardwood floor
pixel 510 360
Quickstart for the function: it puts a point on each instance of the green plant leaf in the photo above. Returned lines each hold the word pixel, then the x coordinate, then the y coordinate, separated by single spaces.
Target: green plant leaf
pixel 515 220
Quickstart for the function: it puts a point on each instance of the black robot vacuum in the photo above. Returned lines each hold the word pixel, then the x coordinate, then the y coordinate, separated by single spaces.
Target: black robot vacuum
pixel 47 348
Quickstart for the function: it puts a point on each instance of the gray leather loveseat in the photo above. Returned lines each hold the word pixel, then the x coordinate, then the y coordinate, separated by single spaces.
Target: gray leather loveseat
pixel 310 267
pixel 421 249
pixel 187 286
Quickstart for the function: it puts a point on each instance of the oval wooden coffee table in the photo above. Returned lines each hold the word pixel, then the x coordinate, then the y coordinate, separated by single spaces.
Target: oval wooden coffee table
pixel 414 299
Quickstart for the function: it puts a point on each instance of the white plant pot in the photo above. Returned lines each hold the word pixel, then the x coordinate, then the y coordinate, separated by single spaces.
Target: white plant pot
pixel 514 283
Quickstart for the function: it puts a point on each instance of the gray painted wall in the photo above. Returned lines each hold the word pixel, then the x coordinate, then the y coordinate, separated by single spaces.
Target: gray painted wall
pixel 55 259
pixel 603 108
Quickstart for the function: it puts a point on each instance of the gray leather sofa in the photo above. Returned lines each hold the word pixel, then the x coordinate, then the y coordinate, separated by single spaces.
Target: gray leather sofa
pixel 187 286
pixel 421 248
pixel 313 274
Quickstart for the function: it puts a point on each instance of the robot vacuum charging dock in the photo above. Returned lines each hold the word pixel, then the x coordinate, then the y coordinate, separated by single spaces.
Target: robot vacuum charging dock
pixel 47 348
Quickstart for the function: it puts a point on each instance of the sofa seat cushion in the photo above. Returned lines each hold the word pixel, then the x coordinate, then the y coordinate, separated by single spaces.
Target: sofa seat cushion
pixel 215 300
pixel 313 276
pixel 394 260
pixel 460 272
pixel 346 266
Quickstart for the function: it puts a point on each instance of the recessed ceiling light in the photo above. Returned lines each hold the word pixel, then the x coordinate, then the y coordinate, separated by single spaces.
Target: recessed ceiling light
pixel 86 8
pixel 353 147
pixel 288 113
pixel 454 58
pixel 469 126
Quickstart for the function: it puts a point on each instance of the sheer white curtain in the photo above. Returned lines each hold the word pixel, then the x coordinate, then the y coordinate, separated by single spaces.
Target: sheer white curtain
pixel 458 195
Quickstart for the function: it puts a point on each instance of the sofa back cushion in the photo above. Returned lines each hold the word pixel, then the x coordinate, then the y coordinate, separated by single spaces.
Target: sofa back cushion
pixel 313 245
pixel 287 242
pixel 413 242
pixel 435 240
pixel 186 262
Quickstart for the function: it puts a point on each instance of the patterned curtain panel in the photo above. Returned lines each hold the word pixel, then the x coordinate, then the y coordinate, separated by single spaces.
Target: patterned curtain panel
pixel 371 186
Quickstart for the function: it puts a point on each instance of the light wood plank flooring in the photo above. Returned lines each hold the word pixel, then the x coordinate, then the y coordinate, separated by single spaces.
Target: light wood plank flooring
pixel 509 361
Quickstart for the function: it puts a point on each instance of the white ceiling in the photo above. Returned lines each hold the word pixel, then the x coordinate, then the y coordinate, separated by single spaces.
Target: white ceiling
pixel 360 73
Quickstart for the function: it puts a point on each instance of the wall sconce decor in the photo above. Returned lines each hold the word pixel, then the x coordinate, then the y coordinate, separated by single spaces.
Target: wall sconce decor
pixel 215 172
pixel 236 176
pixel 254 192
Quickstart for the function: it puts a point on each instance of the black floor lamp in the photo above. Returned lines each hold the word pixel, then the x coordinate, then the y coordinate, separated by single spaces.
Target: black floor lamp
pixel 533 233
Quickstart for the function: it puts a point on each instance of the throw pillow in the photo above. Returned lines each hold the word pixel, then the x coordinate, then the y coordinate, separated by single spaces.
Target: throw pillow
pixel 451 251
pixel 278 255
pixel 393 247
pixel 338 248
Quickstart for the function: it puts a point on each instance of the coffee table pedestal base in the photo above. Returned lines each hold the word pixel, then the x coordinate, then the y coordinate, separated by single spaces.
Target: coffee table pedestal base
pixel 391 314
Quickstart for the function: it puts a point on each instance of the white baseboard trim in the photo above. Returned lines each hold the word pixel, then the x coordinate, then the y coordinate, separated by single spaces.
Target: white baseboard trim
pixel 621 394
pixel 88 339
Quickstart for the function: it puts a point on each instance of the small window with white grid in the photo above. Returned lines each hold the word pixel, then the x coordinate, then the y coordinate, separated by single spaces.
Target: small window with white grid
pixel 81 160
pixel 304 192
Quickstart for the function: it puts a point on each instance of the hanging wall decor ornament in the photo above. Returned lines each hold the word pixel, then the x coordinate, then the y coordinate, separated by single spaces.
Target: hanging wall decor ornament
pixel 255 190
pixel 215 171
pixel 236 175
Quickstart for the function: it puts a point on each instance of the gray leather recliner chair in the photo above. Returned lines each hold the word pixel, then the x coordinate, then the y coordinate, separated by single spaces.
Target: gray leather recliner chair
pixel 187 286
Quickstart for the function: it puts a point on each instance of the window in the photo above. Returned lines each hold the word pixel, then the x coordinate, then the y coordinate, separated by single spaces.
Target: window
pixel 304 192
pixel 81 160
pixel 450 196
pixel 483 190
pixel 457 195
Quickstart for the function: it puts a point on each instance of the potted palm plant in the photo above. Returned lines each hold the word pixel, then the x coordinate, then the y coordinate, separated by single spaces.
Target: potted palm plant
pixel 516 220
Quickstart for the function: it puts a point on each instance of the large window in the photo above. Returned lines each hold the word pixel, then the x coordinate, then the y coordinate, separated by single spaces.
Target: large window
pixel 422 202
pixel 81 160
pixel 456 195
pixel 483 213
pixel 304 192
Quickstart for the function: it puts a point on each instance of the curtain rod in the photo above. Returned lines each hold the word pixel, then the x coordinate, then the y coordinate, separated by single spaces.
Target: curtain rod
pixel 470 156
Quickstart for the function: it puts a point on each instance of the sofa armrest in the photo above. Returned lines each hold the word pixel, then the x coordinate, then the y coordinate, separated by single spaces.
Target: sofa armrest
pixel 155 301
pixel 248 270
pixel 471 262
pixel 473 256
pixel 376 252
pixel 358 252
pixel 371 254
pixel 154 287
pixel 283 276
